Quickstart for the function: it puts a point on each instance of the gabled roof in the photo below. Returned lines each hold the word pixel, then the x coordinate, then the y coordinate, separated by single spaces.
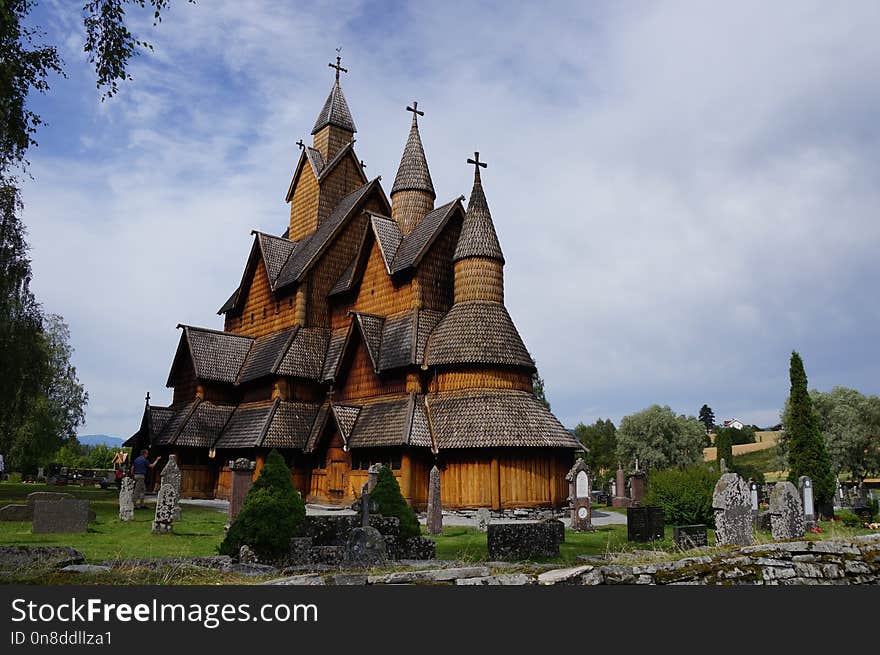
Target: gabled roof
pixel 309 250
pixel 274 252
pixel 230 303
pixel 387 236
pixel 266 355
pixel 290 425
pixel 173 420
pixel 415 244
pixel 345 417
pixel 335 349
pixel 335 112
pixel 413 174
pixel 216 356
pixel 316 159
pixel 321 169
pixel 478 237
pixel 346 280
pixel 371 330
pixel 247 425
pixel 386 423
pixel 305 355
pixel 204 425
pixel 496 418
pixel 477 332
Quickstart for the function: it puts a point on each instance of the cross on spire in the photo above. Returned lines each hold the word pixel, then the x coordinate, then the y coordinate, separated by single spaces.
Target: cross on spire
pixel 415 109
pixel 301 144
pixel 338 65
pixel 476 162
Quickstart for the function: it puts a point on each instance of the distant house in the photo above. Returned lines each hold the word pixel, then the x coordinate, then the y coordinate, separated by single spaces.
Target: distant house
pixel 734 423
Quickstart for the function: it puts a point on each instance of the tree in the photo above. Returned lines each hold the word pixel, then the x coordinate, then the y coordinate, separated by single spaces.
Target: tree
pixel 272 514
pixel 660 439
pixel 802 439
pixel 600 439
pixel 850 423
pixel 736 437
pixel 390 502
pixel 707 418
pixel 724 448
pixel 538 388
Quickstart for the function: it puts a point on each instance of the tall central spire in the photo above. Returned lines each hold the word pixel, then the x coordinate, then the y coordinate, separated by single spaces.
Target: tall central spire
pixel 334 127
pixel 412 195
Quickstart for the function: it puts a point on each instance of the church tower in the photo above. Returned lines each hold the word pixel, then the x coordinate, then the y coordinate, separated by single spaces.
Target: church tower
pixel 334 127
pixel 412 195
pixel 478 261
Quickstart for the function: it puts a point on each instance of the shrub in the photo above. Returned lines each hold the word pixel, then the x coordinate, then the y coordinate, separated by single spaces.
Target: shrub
pixel 390 502
pixel 748 472
pixel 684 494
pixel 849 519
pixel 273 512
pixel 724 448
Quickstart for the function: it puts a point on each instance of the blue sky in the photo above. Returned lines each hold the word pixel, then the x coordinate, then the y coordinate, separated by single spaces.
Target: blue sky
pixel 684 191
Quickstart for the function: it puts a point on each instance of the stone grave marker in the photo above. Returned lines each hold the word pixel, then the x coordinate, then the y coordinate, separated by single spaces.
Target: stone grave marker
pixel 366 548
pixel 690 536
pixel 731 501
pixel 805 487
pixel 37 496
pixel 165 503
pixel 61 516
pixel 579 496
pixel 620 499
pixel 519 540
pixel 483 517
pixel 373 476
pixel 435 509
pixel 644 523
pixel 171 476
pixel 786 512
pixel 242 479
pixel 637 487
pixel 126 499
pixel 753 494
pixel 15 513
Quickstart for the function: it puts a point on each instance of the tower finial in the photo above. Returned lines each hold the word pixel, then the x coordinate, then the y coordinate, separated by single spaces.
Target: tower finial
pixel 147 399
pixel 301 144
pixel 476 162
pixel 415 109
pixel 338 64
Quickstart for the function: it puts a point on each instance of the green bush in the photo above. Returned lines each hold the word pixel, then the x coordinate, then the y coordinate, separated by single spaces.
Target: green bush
pixel 684 494
pixel 724 447
pixel 390 502
pixel 273 512
pixel 748 472
pixel 849 519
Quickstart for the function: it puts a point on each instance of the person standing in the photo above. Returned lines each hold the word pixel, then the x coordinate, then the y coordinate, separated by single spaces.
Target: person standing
pixel 139 468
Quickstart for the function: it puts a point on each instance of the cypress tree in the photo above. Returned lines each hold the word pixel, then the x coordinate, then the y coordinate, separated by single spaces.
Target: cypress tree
pixel 724 448
pixel 807 454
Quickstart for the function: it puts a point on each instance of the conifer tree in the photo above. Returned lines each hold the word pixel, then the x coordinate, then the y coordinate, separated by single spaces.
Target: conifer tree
pixel 390 502
pixel 807 454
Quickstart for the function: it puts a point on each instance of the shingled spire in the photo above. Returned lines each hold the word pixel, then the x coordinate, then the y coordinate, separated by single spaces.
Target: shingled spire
pixel 478 238
pixel 334 127
pixel 412 195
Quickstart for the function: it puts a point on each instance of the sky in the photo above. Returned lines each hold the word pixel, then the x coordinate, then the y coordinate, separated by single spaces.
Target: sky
pixel 685 192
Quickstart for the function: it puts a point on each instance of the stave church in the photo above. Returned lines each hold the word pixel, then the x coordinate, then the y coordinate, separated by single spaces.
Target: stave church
pixel 371 330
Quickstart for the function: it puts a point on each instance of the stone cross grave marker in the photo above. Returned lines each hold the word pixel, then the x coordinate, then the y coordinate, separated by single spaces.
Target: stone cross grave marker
pixel 805 486
pixel 579 496
pixel 126 499
pixel 165 503
pixel 62 516
pixel 435 509
pixel 786 512
pixel 732 504
pixel 171 475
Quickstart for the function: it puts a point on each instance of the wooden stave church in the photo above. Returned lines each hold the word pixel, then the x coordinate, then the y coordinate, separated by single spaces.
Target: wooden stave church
pixel 372 330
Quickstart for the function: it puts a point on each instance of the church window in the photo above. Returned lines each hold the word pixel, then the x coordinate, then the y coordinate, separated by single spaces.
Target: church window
pixel 252 317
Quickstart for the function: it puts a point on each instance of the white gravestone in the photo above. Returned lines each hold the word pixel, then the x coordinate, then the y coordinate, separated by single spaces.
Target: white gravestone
pixel 582 489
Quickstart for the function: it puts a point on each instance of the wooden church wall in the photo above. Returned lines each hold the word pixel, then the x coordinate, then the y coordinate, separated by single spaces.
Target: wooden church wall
pixel 377 293
pixel 262 313
pixel 435 274
pixel 304 205
pixel 361 380
pixel 184 382
pixel 482 379
pixel 342 180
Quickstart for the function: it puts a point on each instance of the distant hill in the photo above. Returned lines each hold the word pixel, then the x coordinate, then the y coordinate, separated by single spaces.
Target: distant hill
pixel 96 439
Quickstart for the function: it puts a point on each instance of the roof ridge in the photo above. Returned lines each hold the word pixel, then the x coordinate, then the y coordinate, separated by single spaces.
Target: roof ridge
pixel 265 429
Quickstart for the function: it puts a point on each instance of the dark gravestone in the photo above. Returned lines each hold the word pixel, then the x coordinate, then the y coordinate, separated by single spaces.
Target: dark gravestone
pixel 524 540
pixel 826 511
pixel 64 516
pixel 365 548
pixel 690 536
pixel 644 523
pixel 15 513
pixel 417 548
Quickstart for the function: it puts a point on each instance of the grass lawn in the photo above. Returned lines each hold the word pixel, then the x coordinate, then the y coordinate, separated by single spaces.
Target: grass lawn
pixel 199 531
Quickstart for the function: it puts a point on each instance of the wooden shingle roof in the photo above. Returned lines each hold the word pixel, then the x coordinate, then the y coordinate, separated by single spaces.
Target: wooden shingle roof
pixel 266 355
pixel 290 425
pixel 496 418
pixel 477 332
pixel 413 174
pixel 478 237
pixel 304 357
pixel 335 112
pixel 216 356
pixel 415 244
pixel 203 425
pixel 247 425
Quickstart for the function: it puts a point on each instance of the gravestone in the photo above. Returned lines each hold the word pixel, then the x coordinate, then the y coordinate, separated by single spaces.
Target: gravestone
pixel 126 499
pixel 15 513
pixel 165 503
pixel 786 512
pixel 637 487
pixel 49 496
pixel 519 540
pixel 242 479
pixel 483 517
pixel 753 495
pixel 366 548
pixel 579 496
pixel 620 499
pixel 171 476
pixel 690 536
pixel 805 487
pixel 373 476
pixel 644 523
pixel 732 504
pixel 435 510
pixel 63 516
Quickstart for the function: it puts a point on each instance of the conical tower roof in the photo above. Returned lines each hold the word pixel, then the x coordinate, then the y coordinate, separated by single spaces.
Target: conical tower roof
pixel 335 111
pixel 413 174
pixel 478 237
